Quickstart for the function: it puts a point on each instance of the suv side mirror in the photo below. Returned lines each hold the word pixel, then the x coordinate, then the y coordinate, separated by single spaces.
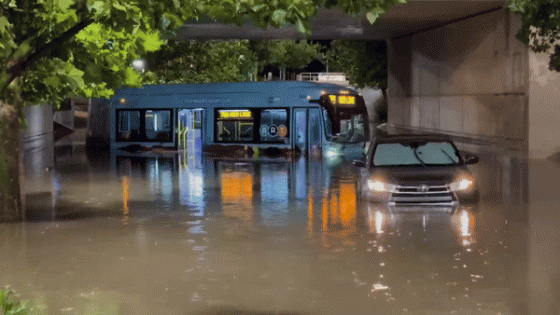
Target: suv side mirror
pixel 471 159
pixel 359 163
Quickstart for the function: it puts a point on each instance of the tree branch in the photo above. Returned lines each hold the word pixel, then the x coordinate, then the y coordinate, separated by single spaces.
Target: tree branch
pixel 19 66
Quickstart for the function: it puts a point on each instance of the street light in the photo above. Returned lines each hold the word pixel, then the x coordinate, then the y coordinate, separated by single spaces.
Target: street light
pixel 139 65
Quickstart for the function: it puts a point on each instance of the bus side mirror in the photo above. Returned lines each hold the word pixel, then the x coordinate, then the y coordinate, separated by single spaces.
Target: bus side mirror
pixel 359 163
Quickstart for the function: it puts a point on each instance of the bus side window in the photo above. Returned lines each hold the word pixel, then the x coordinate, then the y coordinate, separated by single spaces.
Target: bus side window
pixel 234 125
pixel 274 125
pixel 158 125
pixel 129 125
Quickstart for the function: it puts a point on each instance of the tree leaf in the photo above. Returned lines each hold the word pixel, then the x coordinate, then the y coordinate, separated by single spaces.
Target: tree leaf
pixel 374 14
pixel 152 41
pixel 302 28
pixel 119 6
pixel 63 5
pixel 133 78
pixel 67 15
pixel 4 24
pixel 279 16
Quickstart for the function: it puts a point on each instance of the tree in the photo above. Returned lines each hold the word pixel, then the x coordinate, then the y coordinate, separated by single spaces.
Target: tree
pixel 201 62
pixel 365 63
pixel 195 61
pixel 291 54
pixel 51 49
pixel 540 28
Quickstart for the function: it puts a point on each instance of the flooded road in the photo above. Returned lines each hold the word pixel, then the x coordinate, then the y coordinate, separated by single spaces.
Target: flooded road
pixel 174 234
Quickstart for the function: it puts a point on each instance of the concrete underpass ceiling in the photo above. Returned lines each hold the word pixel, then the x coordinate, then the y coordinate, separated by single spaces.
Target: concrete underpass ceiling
pixel 400 20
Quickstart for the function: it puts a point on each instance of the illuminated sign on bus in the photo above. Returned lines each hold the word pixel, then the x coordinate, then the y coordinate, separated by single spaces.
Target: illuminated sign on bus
pixel 342 99
pixel 229 114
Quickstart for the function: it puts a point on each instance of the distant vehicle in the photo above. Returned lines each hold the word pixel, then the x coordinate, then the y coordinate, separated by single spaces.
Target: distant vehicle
pixel 308 117
pixel 417 170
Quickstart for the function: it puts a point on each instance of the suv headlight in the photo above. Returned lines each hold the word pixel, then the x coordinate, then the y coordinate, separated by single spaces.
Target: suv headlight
pixel 380 186
pixel 462 184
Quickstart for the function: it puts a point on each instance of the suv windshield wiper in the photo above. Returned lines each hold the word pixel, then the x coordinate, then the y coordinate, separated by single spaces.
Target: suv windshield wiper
pixel 417 156
pixel 448 156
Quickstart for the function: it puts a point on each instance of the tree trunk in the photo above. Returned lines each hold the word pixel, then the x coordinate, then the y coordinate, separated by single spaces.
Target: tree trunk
pixel 11 207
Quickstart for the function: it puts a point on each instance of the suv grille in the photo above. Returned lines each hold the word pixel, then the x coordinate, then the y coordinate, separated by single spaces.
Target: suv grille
pixel 423 195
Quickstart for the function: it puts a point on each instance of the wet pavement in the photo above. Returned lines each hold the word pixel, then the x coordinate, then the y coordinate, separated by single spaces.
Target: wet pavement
pixel 176 234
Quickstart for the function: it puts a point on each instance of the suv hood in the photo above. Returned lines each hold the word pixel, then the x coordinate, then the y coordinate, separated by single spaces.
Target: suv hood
pixel 419 175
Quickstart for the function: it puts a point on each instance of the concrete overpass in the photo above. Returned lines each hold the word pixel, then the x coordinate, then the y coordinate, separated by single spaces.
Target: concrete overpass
pixel 400 20
pixel 454 66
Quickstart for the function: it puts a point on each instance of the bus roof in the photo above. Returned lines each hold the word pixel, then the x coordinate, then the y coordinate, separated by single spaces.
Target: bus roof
pixel 268 87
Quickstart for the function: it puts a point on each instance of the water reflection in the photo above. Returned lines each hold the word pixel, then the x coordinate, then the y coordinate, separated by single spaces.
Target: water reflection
pixel 268 232
pixel 126 197
pixel 463 221
pixel 191 184
pixel 339 209
pixel 237 192
pixel 389 220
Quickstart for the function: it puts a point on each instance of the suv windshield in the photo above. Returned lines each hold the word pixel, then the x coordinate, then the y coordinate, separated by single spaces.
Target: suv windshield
pixel 431 153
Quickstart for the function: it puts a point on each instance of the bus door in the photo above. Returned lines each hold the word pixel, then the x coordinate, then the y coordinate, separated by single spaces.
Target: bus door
pixel 307 125
pixel 189 131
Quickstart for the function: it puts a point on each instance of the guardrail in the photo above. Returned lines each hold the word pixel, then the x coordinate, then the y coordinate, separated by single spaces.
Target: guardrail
pixel 322 77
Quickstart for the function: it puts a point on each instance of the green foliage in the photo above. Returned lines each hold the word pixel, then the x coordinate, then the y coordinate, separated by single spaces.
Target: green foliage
pixel 373 9
pixel 58 48
pixel 55 48
pixel 365 62
pixel 6 113
pixel 201 62
pixel 11 305
pixel 540 27
pixel 291 54
pixel 225 61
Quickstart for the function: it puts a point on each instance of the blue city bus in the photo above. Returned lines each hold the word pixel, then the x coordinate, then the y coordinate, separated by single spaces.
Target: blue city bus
pixel 307 117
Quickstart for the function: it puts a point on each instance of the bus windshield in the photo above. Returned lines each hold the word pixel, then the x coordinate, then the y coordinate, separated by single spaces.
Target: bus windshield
pixel 347 127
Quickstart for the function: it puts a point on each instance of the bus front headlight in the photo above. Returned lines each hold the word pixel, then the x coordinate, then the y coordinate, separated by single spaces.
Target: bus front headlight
pixel 332 152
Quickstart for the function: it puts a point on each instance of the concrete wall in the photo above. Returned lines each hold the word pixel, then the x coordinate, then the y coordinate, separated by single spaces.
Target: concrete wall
pixel 544 108
pixel 467 78
pixel 544 219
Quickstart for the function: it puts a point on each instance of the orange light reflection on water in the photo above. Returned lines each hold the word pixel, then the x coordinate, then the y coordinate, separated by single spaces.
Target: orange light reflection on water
pixel 126 197
pixel 237 194
pixel 339 209
pixel 310 211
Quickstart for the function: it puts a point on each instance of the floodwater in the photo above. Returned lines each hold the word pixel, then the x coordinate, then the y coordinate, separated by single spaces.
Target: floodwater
pixel 176 234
